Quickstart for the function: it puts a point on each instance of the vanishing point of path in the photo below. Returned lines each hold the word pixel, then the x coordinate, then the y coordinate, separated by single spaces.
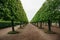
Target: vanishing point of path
pixel 30 32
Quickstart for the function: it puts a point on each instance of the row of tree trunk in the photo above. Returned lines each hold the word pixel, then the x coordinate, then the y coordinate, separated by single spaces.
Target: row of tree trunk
pixel 12 23
pixel 49 25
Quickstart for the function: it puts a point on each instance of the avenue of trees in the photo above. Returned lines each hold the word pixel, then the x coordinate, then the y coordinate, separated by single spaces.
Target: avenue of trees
pixel 48 13
pixel 12 11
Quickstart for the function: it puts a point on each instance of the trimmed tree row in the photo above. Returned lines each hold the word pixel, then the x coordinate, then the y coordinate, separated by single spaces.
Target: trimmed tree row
pixel 12 10
pixel 48 13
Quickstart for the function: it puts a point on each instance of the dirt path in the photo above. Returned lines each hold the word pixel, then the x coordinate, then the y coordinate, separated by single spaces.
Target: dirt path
pixel 6 30
pixel 30 32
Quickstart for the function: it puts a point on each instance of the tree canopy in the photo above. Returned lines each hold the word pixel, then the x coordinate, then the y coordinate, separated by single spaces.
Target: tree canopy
pixel 50 10
pixel 12 9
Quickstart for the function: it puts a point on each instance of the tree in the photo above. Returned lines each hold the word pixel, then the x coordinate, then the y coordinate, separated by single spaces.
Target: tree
pixel 49 12
pixel 12 10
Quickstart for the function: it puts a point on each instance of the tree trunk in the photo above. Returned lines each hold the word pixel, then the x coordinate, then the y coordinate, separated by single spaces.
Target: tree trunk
pixel 23 25
pixel 20 24
pixel 37 24
pixel 41 25
pixel 49 25
pixel 12 22
pixel 59 23
pixel 34 24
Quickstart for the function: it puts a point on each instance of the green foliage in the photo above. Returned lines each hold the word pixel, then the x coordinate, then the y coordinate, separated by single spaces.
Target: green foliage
pixel 12 9
pixel 5 24
pixel 50 10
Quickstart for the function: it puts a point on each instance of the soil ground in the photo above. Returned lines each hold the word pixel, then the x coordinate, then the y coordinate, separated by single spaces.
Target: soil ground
pixel 29 32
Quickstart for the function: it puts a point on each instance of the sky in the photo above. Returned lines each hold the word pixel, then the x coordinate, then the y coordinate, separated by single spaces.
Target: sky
pixel 31 7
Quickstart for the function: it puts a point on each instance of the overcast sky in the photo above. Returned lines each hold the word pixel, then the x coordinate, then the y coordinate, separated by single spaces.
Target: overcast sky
pixel 31 7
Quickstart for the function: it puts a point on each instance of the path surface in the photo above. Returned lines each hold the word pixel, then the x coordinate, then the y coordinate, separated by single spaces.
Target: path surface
pixel 30 32
pixel 6 30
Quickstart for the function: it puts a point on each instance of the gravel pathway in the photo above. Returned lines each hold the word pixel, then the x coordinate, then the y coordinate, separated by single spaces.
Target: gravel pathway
pixel 30 32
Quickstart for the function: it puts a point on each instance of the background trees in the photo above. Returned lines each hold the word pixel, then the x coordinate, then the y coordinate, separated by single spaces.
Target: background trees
pixel 12 10
pixel 49 12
